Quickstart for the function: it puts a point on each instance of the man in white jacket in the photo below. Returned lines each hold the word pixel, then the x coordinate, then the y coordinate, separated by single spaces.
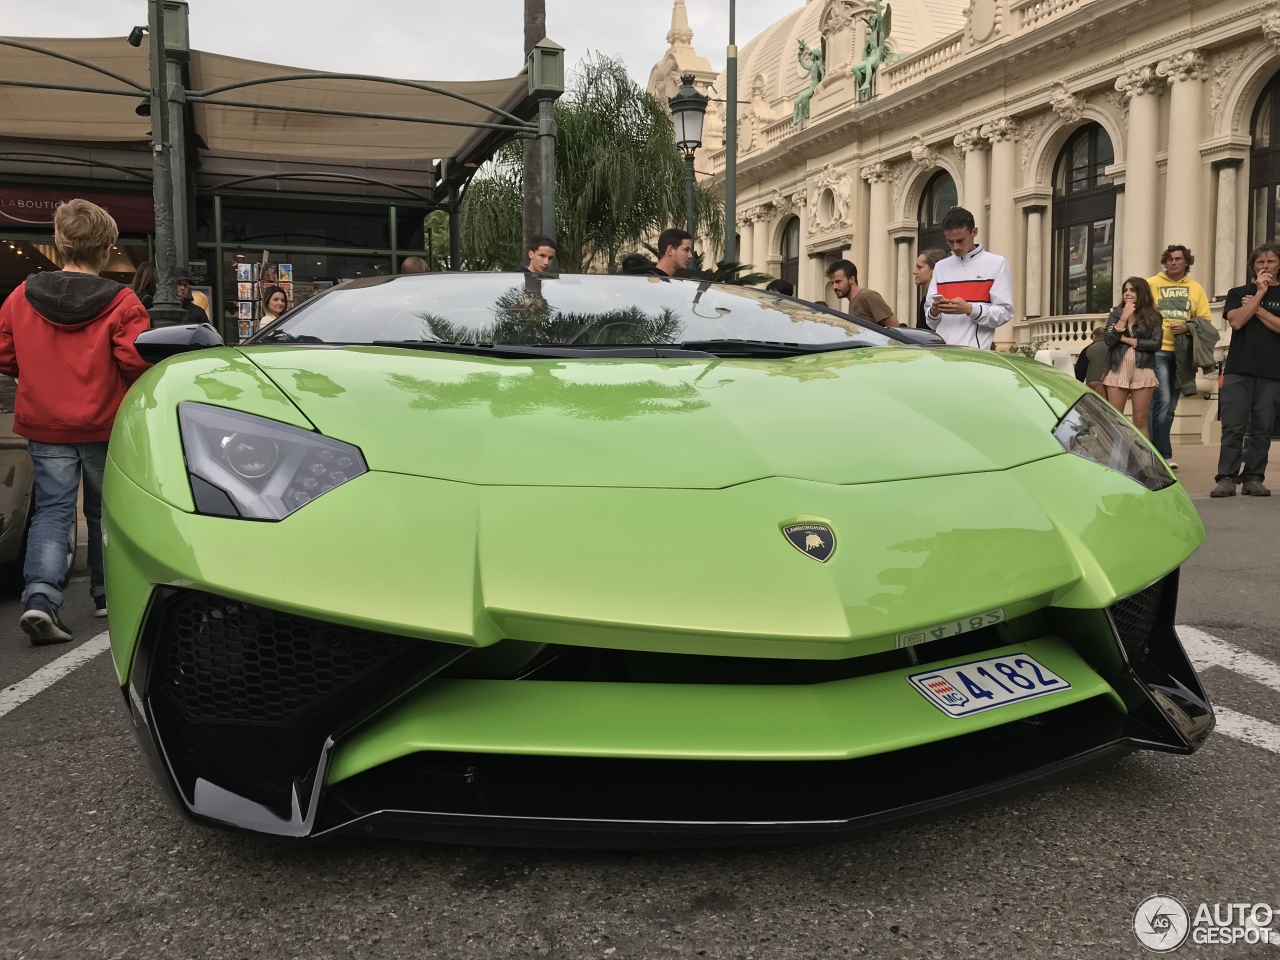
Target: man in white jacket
pixel 971 292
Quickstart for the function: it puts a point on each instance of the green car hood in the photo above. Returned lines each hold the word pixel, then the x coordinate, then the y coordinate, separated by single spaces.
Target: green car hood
pixel 849 417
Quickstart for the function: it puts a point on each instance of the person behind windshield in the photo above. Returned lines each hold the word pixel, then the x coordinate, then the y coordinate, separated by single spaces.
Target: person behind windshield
pixel 415 265
pixel 783 287
pixel 539 253
pixel 274 302
pixel 675 248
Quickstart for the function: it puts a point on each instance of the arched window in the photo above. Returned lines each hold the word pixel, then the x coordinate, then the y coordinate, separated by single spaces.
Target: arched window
pixel 939 197
pixel 1264 167
pixel 791 252
pixel 1084 224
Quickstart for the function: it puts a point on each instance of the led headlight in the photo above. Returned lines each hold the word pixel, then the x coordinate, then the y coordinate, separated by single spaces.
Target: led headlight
pixel 246 466
pixel 1094 430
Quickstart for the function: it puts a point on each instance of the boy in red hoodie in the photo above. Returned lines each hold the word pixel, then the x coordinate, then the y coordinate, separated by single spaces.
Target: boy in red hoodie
pixel 68 338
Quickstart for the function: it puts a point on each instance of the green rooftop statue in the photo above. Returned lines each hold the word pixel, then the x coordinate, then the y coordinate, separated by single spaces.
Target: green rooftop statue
pixel 816 64
pixel 876 52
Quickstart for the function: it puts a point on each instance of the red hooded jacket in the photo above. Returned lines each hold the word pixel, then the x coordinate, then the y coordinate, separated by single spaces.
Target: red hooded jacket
pixel 68 338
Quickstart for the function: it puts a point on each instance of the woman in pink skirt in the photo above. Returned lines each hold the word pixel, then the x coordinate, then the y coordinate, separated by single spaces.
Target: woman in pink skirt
pixel 1134 330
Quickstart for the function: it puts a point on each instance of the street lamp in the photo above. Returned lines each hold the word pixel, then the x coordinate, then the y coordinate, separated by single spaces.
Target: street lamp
pixel 688 110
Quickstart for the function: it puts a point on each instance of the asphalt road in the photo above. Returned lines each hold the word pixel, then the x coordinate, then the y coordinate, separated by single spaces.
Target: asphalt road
pixel 94 864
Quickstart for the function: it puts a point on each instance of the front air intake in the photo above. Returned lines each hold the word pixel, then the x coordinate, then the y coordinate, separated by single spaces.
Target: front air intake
pixel 1136 617
pixel 244 697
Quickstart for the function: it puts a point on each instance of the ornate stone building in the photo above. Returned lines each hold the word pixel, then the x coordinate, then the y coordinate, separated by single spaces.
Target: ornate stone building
pixel 1084 135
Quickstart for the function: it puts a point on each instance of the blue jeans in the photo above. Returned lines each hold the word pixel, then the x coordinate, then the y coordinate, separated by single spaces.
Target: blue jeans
pixel 1164 402
pixel 58 467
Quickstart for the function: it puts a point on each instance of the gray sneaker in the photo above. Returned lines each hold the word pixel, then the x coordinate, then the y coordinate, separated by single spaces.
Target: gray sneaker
pixel 1225 488
pixel 1254 488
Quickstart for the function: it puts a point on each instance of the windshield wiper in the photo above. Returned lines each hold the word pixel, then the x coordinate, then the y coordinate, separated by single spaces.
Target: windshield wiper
pixel 282 336
pixel 765 348
pixel 515 351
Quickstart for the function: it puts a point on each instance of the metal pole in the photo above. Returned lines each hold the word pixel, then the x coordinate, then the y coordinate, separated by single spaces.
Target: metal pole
pixel 165 308
pixel 547 142
pixel 178 164
pixel 731 143
pixel 455 229
pixel 690 205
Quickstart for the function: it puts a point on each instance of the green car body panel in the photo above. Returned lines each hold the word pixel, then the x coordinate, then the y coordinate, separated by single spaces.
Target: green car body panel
pixel 637 505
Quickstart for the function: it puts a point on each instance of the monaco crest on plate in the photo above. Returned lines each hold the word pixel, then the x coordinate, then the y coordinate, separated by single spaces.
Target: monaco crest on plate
pixel 812 539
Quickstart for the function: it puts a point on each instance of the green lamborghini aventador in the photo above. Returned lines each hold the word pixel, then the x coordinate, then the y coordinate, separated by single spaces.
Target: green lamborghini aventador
pixel 627 560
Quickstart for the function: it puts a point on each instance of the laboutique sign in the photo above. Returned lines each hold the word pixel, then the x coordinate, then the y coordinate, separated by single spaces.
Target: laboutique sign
pixel 33 207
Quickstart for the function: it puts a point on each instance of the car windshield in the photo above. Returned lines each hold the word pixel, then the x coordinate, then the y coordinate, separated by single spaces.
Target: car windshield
pixel 579 310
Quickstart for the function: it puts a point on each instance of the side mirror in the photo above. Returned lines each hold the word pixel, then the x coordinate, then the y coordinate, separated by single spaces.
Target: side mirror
pixel 161 343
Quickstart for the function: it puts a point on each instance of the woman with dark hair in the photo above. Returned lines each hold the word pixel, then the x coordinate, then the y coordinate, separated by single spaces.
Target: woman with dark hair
pixel 922 273
pixel 1134 329
pixel 144 282
pixel 274 302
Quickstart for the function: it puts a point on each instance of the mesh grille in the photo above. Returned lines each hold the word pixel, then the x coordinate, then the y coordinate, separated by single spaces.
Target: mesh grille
pixel 231 661
pixel 1135 617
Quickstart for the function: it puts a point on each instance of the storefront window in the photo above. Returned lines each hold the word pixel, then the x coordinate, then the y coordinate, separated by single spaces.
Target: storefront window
pixel 246 279
pixel 1084 212
pixel 791 252
pixel 1264 168
pixel 939 197
pixel 305 224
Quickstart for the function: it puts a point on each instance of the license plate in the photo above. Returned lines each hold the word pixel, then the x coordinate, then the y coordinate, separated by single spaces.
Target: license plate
pixel 952 628
pixel 986 684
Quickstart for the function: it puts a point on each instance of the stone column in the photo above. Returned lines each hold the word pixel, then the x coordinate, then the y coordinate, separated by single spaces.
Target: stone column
pixel 905 302
pixel 1034 302
pixel 1142 87
pixel 1002 234
pixel 877 273
pixel 1185 74
pixel 746 243
pixel 974 189
pixel 1224 235
pixel 764 223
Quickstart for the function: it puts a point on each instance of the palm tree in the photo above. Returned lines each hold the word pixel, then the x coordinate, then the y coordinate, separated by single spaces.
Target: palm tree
pixel 619 179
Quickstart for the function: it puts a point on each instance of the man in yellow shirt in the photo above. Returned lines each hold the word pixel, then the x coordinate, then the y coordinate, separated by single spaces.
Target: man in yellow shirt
pixel 1178 298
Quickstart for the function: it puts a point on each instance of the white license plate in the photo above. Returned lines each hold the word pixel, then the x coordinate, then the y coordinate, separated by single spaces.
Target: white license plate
pixel 984 684
pixel 952 628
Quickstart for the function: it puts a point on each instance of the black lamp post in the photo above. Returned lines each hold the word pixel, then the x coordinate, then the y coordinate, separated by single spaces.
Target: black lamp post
pixel 688 110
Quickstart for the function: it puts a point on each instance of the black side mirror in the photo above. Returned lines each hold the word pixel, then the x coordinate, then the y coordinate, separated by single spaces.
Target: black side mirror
pixel 161 343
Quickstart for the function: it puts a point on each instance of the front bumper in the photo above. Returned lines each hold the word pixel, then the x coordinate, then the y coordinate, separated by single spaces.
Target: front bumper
pixel 279 724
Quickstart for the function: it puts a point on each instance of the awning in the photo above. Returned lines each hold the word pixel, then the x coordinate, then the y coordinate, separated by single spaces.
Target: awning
pixel 246 131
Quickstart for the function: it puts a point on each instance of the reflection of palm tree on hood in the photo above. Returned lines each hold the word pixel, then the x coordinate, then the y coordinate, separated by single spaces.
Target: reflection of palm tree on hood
pixel 513 395
pixel 525 318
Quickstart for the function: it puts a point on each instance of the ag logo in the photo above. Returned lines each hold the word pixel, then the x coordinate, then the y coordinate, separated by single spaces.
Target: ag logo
pixel 812 539
pixel 1161 924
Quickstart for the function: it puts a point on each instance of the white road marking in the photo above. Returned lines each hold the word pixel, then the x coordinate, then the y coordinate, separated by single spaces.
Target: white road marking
pixel 1206 650
pixel 1240 726
pixel 13 697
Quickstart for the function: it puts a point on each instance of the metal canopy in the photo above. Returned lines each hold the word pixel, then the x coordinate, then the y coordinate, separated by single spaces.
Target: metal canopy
pixel 241 108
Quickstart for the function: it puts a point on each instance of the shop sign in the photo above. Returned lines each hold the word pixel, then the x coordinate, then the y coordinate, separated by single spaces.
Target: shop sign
pixel 23 207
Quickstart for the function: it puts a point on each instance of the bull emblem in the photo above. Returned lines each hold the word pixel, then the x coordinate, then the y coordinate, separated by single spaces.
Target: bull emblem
pixel 814 540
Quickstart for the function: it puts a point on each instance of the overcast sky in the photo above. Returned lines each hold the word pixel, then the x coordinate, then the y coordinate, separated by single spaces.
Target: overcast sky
pixel 414 39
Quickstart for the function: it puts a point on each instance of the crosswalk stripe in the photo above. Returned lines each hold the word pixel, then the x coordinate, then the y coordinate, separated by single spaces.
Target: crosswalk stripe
pixel 15 696
pixel 1251 730
pixel 1206 650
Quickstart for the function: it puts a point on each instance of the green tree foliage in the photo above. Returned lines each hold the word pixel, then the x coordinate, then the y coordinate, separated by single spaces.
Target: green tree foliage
pixel 619 179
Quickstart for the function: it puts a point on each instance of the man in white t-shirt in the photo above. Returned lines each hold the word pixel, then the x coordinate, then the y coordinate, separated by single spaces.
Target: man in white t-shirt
pixel 971 292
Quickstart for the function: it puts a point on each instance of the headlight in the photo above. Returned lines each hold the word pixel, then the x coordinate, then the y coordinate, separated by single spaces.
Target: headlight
pixel 1094 430
pixel 246 466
